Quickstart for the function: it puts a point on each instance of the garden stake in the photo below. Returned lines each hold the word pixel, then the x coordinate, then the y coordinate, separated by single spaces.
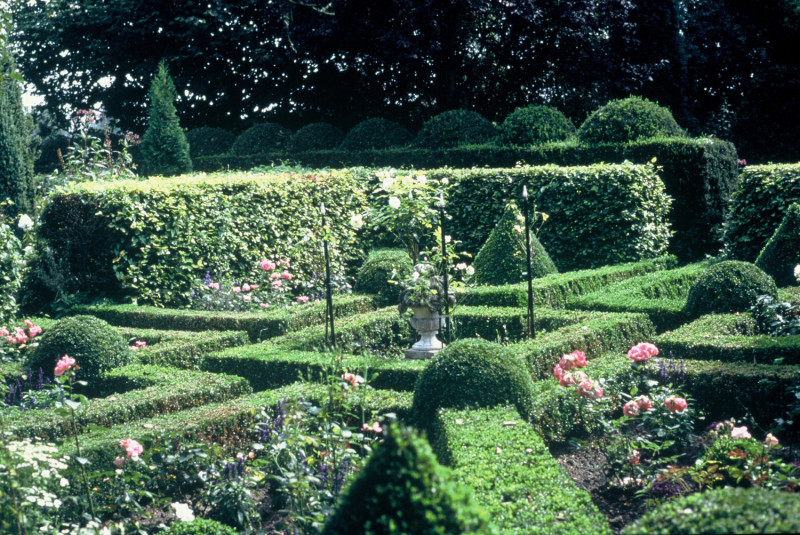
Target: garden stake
pixel 328 295
pixel 525 209
pixel 446 333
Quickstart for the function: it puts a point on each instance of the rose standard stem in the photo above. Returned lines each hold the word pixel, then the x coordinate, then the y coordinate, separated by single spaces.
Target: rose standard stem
pixel 328 294
pixel 526 209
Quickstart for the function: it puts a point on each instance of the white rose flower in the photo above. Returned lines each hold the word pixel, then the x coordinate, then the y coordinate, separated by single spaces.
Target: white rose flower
pixel 25 222
pixel 394 202
pixel 470 270
pixel 357 221
pixel 797 272
pixel 422 179
pixel 183 511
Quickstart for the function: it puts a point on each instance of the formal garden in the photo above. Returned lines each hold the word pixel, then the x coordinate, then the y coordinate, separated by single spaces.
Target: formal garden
pixel 524 326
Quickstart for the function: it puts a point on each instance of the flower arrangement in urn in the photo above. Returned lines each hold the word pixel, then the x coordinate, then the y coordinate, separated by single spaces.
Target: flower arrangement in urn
pixel 424 288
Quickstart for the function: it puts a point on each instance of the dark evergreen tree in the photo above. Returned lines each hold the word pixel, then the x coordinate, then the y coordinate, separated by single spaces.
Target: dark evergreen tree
pixel 18 146
pixel 164 150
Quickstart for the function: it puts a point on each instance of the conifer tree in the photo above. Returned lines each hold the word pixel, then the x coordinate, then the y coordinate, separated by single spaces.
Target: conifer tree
pixel 18 147
pixel 164 149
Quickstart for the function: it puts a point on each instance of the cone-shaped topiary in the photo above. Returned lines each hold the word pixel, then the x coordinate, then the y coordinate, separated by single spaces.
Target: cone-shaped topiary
pixel 403 490
pixel 472 373
pixel 453 128
pixel 502 258
pixel 96 346
pixel 376 133
pixel 209 141
pixel 781 254
pixel 199 526
pixel 262 137
pixel 629 119
pixel 164 148
pixel 535 125
pixel 729 286
pixel 381 266
pixel 18 147
pixel 316 136
pixel 729 510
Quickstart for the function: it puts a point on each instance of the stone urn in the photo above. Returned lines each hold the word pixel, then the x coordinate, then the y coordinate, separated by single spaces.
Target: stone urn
pixel 426 323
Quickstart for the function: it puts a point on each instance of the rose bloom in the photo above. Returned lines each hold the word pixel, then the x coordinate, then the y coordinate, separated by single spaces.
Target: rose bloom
pixel 267 265
pixel 771 441
pixel 590 389
pixel 131 447
pixel 644 403
pixel 394 202
pixel 631 409
pixel 676 404
pixel 558 372
pixel 214 286
pixel 245 287
pixel 740 432
pixel 286 276
pixel 375 428
pixel 65 363
pixel 236 289
pixel 642 352
pixel 353 379
pixel 247 298
pixel 573 360
pixel 277 284
pixel 274 276
pixel 302 299
pixel 34 330
pixel 254 286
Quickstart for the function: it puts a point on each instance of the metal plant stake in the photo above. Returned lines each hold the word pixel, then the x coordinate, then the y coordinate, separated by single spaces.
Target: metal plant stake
pixel 446 331
pixel 330 342
pixel 526 209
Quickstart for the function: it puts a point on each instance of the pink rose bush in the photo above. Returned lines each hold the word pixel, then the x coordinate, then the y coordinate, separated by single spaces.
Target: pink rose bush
pixel 132 451
pixel 567 375
pixel 643 352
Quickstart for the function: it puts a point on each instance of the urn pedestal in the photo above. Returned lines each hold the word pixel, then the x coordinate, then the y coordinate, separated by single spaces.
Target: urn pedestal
pixel 426 323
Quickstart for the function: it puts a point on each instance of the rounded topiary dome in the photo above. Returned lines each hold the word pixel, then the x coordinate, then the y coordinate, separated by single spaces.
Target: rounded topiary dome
pixel 472 373
pixel 381 266
pixel 455 127
pixel 316 136
pixel 629 119
pixel 209 141
pixel 96 346
pixel 730 286
pixel 376 133
pixel 535 125
pixel 728 510
pixel 263 137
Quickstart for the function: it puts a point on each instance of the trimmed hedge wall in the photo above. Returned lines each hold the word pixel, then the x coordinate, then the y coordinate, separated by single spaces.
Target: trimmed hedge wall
pixel 182 349
pixel 258 325
pixel 514 477
pixel 661 295
pixel 699 174
pixel 758 206
pixel 154 390
pixel 158 236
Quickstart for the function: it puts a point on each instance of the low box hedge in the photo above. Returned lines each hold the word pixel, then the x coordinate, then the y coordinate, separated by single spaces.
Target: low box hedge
pixel 557 289
pixel 258 325
pixel 181 349
pixel 156 390
pixel 512 473
pixel 661 295
pixel 729 338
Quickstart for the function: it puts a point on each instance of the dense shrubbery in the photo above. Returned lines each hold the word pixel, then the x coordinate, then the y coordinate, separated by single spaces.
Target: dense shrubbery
pixel 209 140
pixel 630 119
pixel 376 133
pixel 453 128
pixel 94 344
pixel 380 267
pixel 535 125
pixel 199 526
pixel 781 254
pixel 729 286
pixel 263 137
pixel 316 136
pixel 10 272
pixel 472 373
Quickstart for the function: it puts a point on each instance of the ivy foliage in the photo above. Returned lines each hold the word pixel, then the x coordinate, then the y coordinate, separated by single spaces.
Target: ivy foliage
pixel 503 258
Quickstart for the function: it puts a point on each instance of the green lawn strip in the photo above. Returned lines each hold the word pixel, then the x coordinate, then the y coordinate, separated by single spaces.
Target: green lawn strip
pixel 229 423
pixel 512 473
pixel 259 325
pixel 267 366
pixel 555 290
pixel 661 295
pixel 181 349
pixel 595 333
pixel 728 338
pixel 155 391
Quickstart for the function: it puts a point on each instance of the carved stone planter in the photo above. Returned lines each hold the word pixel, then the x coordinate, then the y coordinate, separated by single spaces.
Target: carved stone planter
pixel 426 323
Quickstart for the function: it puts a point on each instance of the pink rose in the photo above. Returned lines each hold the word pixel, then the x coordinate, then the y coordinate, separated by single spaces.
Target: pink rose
pixel 247 298
pixel 277 284
pixel 254 286
pixel 4 331
pixel 65 363
pixel 375 428
pixel 353 379
pixel 236 289
pixel 35 330
pixel 642 352
pixel 558 372
pixel 740 432
pixel 119 461
pixel 267 265
pixel 264 305
pixel 140 343
pixel 245 287
pixel 644 403
pixel 573 360
pixel 274 276
pixel 630 409
pixel 286 276
pixel 131 447
pixel 676 404
pixel 302 299
pixel 28 323
pixel 590 389
pixel 214 286
pixel 771 441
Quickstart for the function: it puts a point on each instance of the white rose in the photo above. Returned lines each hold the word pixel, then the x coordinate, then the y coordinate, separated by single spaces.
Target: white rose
pixel 357 221
pixel 183 511
pixel 394 202
pixel 797 272
pixel 470 270
pixel 25 222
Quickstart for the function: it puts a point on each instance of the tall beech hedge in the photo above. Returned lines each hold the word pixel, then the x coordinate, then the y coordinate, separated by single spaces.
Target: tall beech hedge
pixel 758 206
pixel 700 174
pixel 158 236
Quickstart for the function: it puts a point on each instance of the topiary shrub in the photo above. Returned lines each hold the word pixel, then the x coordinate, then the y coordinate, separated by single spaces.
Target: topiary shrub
pixel 209 141
pixel 404 489
pixel 316 136
pixel 453 128
pixel 729 510
pixel 199 526
pixel 535 125
pixel 502 258
pixel 730 286
pixel 629 119
pixel 781 254
pixel 376 133
pixel 263 137
pixel 96 346
pixel 381 266
pixel 472 373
